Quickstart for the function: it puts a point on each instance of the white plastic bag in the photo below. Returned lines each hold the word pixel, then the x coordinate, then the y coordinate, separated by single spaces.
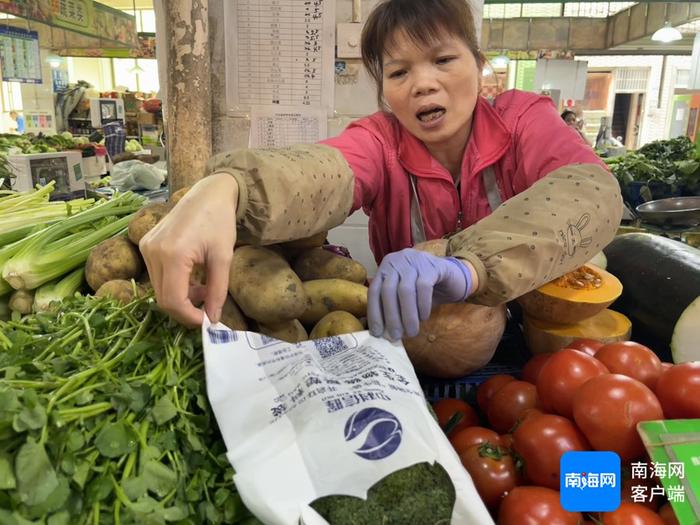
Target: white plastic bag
pixel 136 175
pixel 324 417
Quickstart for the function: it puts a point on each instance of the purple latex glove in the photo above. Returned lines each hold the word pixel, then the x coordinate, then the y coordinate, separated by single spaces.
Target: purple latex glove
pixel 405 287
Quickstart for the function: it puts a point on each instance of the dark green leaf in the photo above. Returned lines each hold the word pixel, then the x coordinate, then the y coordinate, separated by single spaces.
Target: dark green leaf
pixel 82 470
pixel 32 416
pixel 116 439
pixel 97 490
pixel 60 518
pixel 7 475
pixel 175 513
pixel 55 501
pixel 165 440
pixel 164 410
pixel 134 487
pixel 75 440
pixel 159 479
pixel 36 478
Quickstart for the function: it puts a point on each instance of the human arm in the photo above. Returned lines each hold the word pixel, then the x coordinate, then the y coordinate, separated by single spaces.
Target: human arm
pixel 255 197
pixel 568 208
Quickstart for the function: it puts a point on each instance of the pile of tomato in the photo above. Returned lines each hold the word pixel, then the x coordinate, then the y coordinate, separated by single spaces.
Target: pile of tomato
pixel 588 396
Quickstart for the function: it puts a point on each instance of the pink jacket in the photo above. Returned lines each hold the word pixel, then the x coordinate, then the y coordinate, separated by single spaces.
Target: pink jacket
pixel 522 136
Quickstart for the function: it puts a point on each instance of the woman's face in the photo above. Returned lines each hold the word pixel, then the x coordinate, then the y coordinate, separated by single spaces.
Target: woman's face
pixel 570 119
pixel 432 90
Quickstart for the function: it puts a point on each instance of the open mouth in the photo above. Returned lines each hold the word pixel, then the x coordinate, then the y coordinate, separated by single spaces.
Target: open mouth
pixel 431 113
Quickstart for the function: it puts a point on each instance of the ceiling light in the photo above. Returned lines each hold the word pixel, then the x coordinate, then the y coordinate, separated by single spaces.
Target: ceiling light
pixel 54 61
pixel 500 61
pixel 667 34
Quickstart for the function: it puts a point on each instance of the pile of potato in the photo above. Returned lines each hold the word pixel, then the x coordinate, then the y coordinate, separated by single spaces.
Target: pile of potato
pixel 295 291
pixel 292 291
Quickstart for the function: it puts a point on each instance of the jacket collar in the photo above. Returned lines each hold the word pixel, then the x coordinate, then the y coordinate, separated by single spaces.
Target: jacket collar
pixel 488 142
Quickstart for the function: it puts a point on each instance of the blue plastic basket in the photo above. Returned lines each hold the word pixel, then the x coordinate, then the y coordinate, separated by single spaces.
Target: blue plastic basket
pixel 509 358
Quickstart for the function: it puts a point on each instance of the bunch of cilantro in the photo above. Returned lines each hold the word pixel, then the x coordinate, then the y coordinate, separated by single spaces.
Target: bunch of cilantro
pixel 104 420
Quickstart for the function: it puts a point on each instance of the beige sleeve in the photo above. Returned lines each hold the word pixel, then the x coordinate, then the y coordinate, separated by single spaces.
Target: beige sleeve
pixel 553 227
pixel 287 193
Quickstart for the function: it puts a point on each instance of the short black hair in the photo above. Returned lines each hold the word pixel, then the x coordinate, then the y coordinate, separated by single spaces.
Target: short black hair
pixel 422 20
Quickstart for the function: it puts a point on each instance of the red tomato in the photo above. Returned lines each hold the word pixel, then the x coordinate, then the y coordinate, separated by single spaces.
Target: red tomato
pixel 562 375
pixel 446 409
pixel 468 437
pixel 678 389
pixel 531 370
pixel 507 441
pixel 667 515
pixel 540 441
pixel 535 506
pixel 631 514
pixel 488 388
pixel 492 472
pixel 607 409
pixel 587 346
pixel 508 404
pixel 632 360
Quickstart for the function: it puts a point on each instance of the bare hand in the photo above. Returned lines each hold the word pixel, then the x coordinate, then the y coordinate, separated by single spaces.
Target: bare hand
pixel 199 230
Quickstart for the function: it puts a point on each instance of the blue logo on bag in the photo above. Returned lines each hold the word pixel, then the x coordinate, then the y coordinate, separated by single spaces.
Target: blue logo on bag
pixel 383 434
pixel 590 481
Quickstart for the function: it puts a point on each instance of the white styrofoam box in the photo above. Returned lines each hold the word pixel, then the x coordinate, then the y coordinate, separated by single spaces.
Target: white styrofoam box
pixel 354 236
pixel 348 40
pixel 65 167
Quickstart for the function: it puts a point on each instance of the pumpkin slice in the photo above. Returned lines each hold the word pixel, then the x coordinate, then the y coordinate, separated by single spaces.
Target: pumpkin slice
pixel 457 339
pixel 573 297
pixel 606 326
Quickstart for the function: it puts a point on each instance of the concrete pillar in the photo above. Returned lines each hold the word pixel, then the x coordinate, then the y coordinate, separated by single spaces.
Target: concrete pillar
pixel 188 85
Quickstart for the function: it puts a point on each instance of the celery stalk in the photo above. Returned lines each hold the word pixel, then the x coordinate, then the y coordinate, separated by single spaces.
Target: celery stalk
pixel 23 199
pixel 58 248
pixel 22 301
pixel 15 225
pixel 58 290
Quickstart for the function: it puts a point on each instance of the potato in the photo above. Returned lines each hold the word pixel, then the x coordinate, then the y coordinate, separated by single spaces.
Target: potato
pixel 319 263
pixel 436 247
pixel 114 258
pixel 145 219
pixel 121 290
pixel 265 287
pixel 291 331
pixel 329 295
pixel 232 316
pixel 336 323
pixel 179 194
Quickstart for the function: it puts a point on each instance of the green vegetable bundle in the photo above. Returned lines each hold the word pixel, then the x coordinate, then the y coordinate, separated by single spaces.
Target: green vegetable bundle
pixel 662 168
pixel 104 420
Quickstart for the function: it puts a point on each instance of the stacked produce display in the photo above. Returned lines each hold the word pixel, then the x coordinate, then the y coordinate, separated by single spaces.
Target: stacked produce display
pixel 104 417
pixel 659 169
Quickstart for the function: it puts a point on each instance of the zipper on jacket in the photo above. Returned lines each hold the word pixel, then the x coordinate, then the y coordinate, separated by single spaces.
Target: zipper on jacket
pixel 460 215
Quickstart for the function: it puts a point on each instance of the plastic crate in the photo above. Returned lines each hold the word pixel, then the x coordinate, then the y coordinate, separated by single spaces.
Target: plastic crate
pixel 510 357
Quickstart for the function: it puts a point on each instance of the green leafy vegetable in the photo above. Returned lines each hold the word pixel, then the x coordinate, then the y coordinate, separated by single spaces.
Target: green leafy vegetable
pixel 103 421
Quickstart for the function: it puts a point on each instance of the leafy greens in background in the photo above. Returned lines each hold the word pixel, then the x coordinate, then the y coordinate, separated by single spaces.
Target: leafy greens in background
pixel 104 420
pixel 666 167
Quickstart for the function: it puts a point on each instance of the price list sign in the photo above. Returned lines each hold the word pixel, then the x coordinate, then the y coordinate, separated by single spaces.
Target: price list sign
pixel 280 53
pixel 19 55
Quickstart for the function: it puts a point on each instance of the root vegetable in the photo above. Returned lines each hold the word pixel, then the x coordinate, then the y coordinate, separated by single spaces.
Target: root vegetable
pixel 145 219
pixel 114 258
pixel 121 290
